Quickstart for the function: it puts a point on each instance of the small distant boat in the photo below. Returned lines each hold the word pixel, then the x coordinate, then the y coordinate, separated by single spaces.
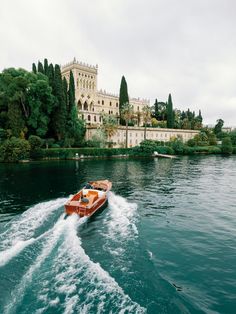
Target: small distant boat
pixel 90 199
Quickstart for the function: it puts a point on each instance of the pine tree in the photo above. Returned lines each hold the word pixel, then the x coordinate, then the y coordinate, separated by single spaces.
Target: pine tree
pixel 123 96
pixel 34 69
pixel 170 114
pixel 40 67
pixel 46 66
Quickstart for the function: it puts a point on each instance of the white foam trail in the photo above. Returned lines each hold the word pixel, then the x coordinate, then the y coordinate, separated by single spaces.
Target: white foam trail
pixel 85 286
pixel 122 217
pixel 23 229
pixel 8 254
pixel 26 280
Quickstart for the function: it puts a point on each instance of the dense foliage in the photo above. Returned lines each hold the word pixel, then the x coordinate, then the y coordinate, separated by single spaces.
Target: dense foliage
pixel 163 115
pixel 39 103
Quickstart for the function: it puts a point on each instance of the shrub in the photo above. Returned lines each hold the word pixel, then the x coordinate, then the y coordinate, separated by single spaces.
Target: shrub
pixel 178 146
pixel 148 147
pixel 68 153
pixel 35 142
pixel 14 150
pixel 226 147
pixel 233 137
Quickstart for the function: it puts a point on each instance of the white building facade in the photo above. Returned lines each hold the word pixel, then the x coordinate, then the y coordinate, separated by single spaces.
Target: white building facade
pixel 92 103
pixel 136 135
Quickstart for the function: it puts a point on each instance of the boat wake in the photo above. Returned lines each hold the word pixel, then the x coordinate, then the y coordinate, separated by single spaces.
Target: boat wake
pixel 121 224
pixel 23 231
pixel 69 279
pixel 122 217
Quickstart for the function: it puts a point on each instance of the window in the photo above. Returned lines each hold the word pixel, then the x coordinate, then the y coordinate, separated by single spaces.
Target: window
pixel 102 102
pixel 85 106
pixel 79 105
pixel 95 119
pixel 110 103
pixel 117 104
pixel 98 101
pixel 138 108
pixel 89 118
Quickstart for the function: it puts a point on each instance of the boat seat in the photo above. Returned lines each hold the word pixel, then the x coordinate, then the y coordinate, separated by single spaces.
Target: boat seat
pixel 74 203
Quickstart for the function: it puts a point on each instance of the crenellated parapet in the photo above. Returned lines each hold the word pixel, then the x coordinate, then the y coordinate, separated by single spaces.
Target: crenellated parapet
pixel 82 64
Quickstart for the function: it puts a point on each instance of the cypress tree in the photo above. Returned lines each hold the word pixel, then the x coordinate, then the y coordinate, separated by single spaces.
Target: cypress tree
pixel 65 91
pixel 50 76
pixel 60 114
pixel 170 114
pixel 200 116
pixel 156 110
pixel 34 69
pixel 46 66
pixel 71 93
pixel 16 120
pixel 123 96
pixel 40 67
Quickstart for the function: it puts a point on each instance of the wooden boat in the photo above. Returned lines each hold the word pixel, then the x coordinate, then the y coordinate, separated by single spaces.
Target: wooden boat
pixel 90 199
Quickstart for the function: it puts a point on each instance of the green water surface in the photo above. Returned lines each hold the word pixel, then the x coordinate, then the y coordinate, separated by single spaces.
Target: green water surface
pixel 166 243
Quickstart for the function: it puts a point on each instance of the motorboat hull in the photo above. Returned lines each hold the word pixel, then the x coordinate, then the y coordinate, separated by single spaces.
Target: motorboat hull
pixel 94 200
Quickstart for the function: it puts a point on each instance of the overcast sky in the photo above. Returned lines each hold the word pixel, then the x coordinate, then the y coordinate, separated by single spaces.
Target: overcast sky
pixel 183 47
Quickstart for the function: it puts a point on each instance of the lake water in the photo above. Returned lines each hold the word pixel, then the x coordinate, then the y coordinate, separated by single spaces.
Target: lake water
pixel 166 243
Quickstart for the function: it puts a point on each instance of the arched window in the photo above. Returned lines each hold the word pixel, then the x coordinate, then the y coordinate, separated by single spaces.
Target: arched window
pixel 79 105
pixel 83 83
pixel 85 106
pixel 89 118
pixel 95 119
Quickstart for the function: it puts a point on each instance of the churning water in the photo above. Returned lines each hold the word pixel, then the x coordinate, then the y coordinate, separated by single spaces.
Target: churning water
pixel 165 244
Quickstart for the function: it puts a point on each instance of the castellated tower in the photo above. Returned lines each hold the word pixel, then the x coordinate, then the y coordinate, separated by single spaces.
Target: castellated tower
pixel 92 103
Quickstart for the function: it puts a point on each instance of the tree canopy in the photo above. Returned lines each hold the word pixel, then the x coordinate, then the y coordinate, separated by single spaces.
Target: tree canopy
pixel 39 103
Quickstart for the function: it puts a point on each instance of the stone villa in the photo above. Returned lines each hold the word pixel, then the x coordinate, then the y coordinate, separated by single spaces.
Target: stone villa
pixel 93 103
